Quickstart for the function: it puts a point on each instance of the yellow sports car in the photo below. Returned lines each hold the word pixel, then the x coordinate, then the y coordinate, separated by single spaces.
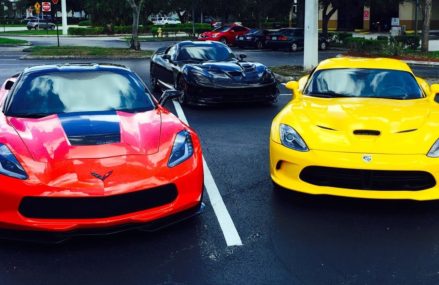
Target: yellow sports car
pixel 359 127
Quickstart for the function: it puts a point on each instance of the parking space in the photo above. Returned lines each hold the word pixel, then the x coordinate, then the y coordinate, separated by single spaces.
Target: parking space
pixel 286 239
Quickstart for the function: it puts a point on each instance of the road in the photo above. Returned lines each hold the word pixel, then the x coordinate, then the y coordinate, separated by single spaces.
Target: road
pixel 287 239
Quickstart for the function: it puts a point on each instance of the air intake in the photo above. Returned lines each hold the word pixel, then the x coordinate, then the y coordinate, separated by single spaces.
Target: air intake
pixel 367 133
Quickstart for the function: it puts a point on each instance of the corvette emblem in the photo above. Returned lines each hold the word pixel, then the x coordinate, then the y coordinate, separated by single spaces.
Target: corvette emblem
pixel 102 177
pixel 367 158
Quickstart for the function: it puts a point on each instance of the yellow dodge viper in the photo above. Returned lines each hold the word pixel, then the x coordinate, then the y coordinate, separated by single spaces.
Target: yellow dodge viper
pixel 359 127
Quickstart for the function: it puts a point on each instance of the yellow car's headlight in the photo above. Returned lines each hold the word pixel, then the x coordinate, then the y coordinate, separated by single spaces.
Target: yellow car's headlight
pixel 291 139
pixel 434 150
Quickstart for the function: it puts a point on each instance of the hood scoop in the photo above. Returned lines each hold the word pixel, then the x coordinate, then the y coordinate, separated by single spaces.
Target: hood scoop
pixel 407 131
pixel 91 128
pixel 235 73
pixel 367 132
pixel 326 128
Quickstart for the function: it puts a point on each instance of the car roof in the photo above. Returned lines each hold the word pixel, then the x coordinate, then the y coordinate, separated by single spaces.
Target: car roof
pixel 361 62
pixel 75 67
pixel 199 43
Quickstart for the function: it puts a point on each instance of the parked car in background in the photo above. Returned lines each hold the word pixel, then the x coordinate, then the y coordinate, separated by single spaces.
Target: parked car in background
pixel 254 38
pixel 40 24
pixel 166 21
pixel 291 39
pixel 27 19
pixel 209 73
pixel 225 34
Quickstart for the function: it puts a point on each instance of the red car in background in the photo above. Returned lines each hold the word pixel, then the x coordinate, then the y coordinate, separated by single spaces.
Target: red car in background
pixel 225 34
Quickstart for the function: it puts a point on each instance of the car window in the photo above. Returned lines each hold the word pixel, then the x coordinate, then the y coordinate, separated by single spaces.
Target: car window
pixel 222 29
pixel 239 29
pixel 369 83
pixel 172 52
pixel 45 93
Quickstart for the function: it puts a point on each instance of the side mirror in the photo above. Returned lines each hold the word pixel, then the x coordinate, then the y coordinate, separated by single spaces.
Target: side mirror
pixel 9 84
pixel 169 95
pixel 293 86
pixel 242 56
pixel 434 89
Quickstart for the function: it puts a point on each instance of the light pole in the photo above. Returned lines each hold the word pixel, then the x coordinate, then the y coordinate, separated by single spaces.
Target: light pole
pixel 311 51
pixel 64 17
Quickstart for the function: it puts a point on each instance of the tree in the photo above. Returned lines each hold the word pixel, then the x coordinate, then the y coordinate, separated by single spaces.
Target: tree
pixel 136 7
pixel 426 13
pixel 326 15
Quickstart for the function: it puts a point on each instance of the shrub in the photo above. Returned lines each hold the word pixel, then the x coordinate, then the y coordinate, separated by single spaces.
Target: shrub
pixel 342 37
pixel 86 31
pixel 412 42
pixel 85 23
pixel 365 45
pixel 383 38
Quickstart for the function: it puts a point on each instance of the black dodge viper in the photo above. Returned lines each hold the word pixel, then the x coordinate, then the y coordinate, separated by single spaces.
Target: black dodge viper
pixel 209 73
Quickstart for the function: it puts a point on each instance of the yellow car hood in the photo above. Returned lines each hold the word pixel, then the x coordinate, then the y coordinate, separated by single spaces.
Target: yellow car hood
pixel 363 125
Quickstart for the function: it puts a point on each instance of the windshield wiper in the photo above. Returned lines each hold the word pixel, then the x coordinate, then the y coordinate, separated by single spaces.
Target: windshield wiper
pixel 328 94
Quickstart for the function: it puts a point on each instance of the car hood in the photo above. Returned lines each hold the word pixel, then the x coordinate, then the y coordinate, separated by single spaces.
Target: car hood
pixel 364 125
pixel 89 135
pixel 237 72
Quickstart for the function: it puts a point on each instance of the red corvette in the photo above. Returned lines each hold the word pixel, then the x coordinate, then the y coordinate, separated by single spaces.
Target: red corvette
pixel 86 149
pixel 224 34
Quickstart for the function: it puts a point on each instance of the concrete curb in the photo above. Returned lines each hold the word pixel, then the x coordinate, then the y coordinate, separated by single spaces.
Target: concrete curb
pixel 17 45
pixel 36 57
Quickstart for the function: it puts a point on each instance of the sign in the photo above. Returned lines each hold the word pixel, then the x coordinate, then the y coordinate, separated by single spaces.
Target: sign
pixel 55 2
pixel 37 7
pixel 366 15
pixel 46 6
pixel 395 22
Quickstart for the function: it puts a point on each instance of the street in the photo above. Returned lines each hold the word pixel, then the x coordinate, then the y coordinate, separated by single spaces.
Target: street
pixel 287 238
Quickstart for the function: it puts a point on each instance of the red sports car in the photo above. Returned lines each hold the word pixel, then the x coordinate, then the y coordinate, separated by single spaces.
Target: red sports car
pixel 86 149
pixel 224 34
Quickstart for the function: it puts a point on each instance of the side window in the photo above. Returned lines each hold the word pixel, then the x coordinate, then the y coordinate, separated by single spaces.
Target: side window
pixel 172 52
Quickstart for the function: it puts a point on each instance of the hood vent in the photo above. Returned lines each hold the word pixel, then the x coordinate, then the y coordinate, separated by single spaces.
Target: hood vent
pixel 235 73
pixel 326 128
pixel 367 132
pixel 407 131
pixel 94 139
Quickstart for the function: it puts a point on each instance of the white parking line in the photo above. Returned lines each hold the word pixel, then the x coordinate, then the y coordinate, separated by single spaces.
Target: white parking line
pixel 230 232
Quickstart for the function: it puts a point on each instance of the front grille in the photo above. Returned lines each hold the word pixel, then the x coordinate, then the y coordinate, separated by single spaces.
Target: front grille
pixel 236 94
pixel 368 179
pixel 97 207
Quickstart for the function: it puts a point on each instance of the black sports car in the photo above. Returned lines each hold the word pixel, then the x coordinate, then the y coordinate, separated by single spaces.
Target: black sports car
pixel 291 39
pixel 254 38
pixel 208 73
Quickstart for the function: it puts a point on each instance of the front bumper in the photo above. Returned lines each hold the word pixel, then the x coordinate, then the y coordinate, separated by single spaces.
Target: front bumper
pixel 208 95
pixel 286 166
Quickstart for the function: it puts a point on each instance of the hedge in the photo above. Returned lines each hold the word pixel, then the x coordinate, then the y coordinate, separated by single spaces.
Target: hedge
pixel 411 42
pixel 361 44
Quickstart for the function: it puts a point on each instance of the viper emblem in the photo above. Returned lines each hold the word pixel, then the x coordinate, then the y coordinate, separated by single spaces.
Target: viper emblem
pixel 102 177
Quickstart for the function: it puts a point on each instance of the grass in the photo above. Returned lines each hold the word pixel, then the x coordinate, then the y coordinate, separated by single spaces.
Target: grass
pixel 6 41
pixel 31 33
pixel 84 51
pixel 295 71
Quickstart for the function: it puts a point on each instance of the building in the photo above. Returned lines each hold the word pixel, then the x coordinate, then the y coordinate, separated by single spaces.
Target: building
pixel 378 18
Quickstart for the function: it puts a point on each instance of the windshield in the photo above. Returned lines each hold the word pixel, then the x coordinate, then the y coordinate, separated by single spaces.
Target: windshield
pixel 222 29
pixel 254 32
pixel 206 53
pixel 368 83
pixel 41 94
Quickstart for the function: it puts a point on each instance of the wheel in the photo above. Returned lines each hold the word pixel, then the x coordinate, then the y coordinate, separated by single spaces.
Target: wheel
pixel 36 28
pixel 259 45
pixel 29 28
pixel 224 41
pixel 294 47
pixel 183 87
pixel 323 46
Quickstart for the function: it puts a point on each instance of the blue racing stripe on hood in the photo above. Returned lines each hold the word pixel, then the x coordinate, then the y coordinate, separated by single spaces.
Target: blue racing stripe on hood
pixel 91 128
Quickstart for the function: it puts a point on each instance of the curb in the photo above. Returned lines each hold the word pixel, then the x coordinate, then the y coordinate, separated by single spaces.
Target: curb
pixel 36 57
pixel 17 45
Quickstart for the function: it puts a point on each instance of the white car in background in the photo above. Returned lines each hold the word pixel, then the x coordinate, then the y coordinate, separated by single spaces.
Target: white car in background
pixel 166 20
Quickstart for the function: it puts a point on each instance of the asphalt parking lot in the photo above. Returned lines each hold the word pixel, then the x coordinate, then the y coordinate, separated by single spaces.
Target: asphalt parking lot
pixel 286 239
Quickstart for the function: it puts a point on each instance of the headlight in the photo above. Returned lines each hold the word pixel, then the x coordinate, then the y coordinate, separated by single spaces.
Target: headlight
pixel 434 150
pixel 182 149
pixel 291 139
pixel 219 74
pixel 201 78
pixel 9 165
pixel 215 35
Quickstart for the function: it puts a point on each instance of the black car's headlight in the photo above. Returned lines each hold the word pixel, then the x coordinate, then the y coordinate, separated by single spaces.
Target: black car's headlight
pixel 9 164
pixel 201 78
pixel 434 150
pixel 291 139
pixel 182 149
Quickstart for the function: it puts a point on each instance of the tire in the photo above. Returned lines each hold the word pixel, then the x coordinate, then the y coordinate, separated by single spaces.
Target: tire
pixel 183 87
pixel 259 45
pixel 294 47
pixel 323 46
pixel 36 28
pixel 224 41
pixel 29 28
